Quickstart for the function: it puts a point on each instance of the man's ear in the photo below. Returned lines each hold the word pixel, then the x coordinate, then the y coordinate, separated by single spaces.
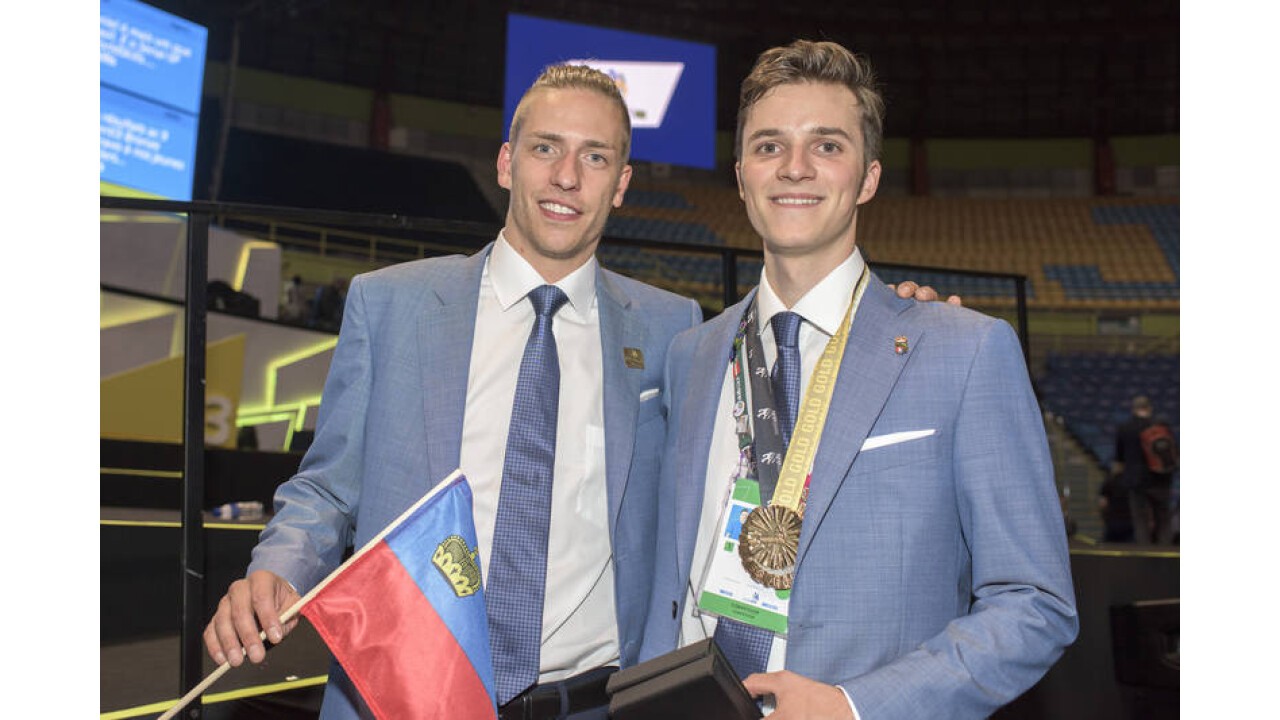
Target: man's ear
pixel 504 165
pixel 870 182
pixel 737 173
pixel 624 181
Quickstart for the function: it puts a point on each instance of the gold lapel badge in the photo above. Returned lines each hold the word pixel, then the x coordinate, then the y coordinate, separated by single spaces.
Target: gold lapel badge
pixel 633 357
pixel 900 345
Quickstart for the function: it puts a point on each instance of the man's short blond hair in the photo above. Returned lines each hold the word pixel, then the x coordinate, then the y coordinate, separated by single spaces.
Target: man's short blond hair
pixel 818 62
pixel 576 77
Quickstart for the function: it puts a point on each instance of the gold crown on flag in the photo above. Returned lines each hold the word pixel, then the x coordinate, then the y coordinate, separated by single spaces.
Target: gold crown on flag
pixel 458 564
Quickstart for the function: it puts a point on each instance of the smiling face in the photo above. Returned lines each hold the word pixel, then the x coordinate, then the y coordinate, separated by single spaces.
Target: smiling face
pixel 802 174
pixel 566 170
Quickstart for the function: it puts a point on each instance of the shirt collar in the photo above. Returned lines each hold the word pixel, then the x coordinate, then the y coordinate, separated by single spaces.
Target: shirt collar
pixel 825 303
pixel 513 277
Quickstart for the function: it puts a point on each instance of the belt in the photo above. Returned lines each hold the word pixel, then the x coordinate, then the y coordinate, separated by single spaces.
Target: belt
pixel 558 699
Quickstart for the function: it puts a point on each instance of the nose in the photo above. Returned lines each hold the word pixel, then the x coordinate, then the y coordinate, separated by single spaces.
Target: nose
pixel 796 165
pixel 565 174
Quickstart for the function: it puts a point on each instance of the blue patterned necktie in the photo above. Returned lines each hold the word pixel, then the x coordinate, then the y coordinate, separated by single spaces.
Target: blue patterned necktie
pixel 746 646
pixel 786 371
pixel 518 562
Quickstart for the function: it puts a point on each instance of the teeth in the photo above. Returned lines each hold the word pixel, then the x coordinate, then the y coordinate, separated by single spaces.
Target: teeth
pixel 797 201
pixel 558 208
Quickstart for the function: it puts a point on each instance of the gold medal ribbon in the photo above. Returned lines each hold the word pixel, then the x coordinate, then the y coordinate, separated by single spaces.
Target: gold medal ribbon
pixel 769 540
pixel 812 415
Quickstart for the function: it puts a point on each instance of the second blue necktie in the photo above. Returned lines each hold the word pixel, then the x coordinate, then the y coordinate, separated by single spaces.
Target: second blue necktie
pixel 786 370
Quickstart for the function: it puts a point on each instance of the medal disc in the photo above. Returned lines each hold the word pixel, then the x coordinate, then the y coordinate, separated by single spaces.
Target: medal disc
pixel 767 545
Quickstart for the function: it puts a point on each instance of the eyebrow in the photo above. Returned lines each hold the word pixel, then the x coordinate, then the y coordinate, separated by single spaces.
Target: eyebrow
pixel 819 130
pixel 557 137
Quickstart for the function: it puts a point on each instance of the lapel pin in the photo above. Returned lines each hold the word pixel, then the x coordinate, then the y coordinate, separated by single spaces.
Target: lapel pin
pixel 900 345
pixel 633 358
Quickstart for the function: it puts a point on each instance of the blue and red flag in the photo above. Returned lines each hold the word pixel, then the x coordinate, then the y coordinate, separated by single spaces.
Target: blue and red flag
pixel 405 616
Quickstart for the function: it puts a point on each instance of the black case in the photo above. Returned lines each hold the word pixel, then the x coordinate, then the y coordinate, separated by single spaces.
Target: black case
pixel 694 682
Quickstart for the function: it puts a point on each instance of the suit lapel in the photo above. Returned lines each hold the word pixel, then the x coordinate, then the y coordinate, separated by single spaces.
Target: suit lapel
pixel 868 372
pixel 697 423
pixel 445 334
pixel 619 328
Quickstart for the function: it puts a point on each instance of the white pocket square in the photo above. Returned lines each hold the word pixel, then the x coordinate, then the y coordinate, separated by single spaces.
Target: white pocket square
pixel 649 394
pixel 894 438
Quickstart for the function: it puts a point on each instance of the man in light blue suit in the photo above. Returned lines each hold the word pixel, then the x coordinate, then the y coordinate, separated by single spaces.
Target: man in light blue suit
pixel 929 574
pixel 423 380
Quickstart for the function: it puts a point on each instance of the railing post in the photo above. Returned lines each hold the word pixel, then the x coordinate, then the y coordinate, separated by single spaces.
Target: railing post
pixel 729 274
pixel 193 556
pixel 1020 284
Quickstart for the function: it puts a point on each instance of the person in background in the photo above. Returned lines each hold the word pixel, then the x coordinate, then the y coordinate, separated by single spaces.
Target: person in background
pixel 294 307
pixel 327 306
pixel 1149 487
pixel 1117 516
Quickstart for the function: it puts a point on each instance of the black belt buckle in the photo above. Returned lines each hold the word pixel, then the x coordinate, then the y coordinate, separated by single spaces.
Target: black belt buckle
pixel 536 703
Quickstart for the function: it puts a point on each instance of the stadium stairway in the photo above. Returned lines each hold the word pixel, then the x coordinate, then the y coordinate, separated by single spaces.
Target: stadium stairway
pixel 1078 478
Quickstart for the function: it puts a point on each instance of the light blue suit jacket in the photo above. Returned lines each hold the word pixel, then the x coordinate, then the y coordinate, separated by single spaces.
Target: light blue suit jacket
pixel 933 577
pixel 390 426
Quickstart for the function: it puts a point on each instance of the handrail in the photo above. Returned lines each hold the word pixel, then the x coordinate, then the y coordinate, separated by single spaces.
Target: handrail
pixel 291 226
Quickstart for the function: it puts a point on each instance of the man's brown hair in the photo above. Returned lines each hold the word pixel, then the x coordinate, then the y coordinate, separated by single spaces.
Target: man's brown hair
pixel 818 62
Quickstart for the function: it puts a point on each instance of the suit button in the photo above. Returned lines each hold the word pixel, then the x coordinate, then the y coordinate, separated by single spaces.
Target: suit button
pixel 673 610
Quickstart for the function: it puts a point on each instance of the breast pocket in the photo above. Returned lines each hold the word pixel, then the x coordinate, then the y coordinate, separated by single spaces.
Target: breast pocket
pixel 885 451
pixel 650 406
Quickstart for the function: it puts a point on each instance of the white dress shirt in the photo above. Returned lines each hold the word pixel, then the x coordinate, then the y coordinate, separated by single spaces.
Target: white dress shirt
pixel 579 623
pixel 823 309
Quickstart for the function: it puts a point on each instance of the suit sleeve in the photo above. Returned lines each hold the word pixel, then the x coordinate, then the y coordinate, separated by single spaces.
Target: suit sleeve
pixel 1022 613
pixel 315 509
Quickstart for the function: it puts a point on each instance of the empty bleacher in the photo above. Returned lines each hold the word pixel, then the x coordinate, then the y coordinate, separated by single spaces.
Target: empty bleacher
pixel 1077 253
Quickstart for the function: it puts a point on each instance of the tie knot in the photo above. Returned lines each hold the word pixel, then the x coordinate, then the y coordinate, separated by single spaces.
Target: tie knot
pixel 546 300
pixel 786 329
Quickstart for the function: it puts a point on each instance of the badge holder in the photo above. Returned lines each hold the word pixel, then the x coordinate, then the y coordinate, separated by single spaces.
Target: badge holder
pixel 725 589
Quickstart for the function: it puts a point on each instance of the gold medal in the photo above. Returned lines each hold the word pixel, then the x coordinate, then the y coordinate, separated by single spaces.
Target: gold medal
pixel 767 545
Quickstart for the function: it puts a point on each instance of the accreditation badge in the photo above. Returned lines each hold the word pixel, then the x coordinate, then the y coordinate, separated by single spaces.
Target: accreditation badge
pixel 726 589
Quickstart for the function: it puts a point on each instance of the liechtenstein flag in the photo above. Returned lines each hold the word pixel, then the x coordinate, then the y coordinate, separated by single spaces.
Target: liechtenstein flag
pixel 405 615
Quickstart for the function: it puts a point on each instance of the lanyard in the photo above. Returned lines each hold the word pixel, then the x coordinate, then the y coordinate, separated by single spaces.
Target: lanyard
pixel 760 446
pixel 770 538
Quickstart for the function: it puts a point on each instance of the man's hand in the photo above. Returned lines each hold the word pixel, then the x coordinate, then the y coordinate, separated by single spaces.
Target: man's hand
pixel 797 697
pixel 923 293
pixel 250 606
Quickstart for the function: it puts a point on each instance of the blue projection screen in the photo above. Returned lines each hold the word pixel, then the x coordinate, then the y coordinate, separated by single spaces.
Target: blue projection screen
pixel 152 73
pixel 669 84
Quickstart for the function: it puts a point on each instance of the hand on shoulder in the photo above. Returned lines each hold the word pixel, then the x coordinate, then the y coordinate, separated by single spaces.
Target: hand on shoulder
pixel 924 293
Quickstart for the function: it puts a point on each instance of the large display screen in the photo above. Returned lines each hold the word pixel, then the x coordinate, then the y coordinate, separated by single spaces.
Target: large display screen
pixel 669 85
pixel 152 73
